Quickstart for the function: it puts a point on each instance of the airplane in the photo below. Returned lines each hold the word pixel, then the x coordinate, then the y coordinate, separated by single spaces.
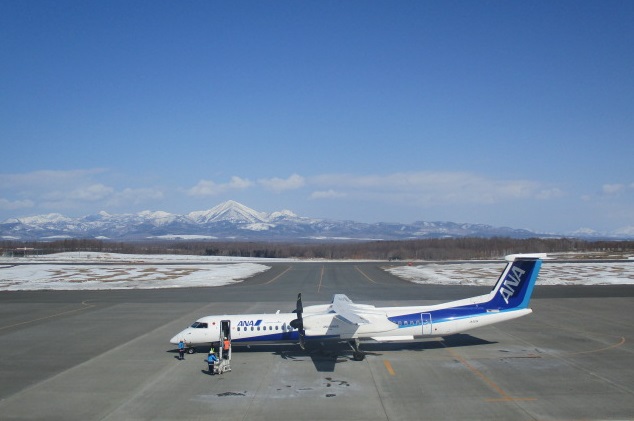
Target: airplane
pixel 342 320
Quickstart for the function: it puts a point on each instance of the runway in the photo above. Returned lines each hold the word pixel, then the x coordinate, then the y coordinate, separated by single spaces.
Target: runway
pixel 104 355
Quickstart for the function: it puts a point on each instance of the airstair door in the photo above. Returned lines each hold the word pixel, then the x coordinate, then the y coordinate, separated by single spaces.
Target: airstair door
pixel 225 339
pixel 425 320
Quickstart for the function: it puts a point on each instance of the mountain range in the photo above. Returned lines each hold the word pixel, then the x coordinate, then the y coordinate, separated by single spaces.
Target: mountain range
pixel 234 221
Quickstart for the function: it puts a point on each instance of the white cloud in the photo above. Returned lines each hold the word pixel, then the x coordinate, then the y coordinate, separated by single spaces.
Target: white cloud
pixel 328 194
pixel 88 193
pixel 91 193
pixel 612 188
pixel 15 204
pixel 430 188
pixel 278 185
pixel 86 199
pixel 549 194
pixel 211 188
pixel 46 178
pixel 76 190
pixel 137 196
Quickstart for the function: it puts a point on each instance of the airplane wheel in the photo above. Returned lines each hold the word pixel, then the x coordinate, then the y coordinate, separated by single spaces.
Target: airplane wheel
pixel 358 356
pixel 190 350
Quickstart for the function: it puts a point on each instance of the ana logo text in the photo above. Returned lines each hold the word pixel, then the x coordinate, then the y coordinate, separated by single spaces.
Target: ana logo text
pixel 513 279
pixel 249 322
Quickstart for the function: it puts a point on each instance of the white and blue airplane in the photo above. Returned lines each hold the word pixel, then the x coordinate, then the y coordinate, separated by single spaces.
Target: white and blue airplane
pixel 343 320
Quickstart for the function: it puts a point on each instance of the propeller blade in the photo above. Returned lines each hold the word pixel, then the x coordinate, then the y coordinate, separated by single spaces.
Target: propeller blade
pixel 299 307
pixel 299 322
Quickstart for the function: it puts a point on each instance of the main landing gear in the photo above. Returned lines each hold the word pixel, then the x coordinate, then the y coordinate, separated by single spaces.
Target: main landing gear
pixel 357 354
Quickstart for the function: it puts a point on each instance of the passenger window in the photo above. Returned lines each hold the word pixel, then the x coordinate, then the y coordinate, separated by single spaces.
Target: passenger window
pixel 251 328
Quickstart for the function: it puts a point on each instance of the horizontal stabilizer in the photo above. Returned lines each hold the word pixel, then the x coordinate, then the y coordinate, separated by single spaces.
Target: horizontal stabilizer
pixel 526 256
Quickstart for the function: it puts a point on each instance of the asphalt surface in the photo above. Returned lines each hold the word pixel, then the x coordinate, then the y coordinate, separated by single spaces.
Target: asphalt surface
pixel 104 355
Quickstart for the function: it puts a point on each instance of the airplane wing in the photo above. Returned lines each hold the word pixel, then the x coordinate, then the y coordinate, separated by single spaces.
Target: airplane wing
pixel 345 309
pixel 358 319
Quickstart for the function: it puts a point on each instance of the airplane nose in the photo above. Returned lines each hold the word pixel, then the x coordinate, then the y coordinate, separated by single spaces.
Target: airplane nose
pixel 182 335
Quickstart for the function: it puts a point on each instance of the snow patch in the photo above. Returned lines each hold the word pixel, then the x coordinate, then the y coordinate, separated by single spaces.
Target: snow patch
pixel 99 277
pixel 611 273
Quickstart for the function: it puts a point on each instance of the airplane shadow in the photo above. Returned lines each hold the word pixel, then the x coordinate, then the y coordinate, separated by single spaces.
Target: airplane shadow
pixel 325 356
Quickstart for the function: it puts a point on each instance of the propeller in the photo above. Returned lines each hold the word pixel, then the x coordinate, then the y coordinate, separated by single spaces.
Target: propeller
pixel 299 322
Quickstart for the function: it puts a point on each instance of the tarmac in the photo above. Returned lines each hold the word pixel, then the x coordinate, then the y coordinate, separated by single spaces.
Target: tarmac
pixel 105 355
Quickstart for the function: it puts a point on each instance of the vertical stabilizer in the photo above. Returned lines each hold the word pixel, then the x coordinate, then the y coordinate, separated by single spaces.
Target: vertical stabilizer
pixel 515 286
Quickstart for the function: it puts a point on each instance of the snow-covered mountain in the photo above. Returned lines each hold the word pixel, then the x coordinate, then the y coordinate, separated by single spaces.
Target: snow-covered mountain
pixel 230 211
pixel 235 221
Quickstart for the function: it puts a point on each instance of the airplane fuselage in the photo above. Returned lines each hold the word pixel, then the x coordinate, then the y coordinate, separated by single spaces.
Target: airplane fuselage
pixel 344 320
pixel 392 324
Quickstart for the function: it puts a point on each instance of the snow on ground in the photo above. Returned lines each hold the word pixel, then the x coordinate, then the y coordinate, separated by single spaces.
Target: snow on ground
pixel 89 270
pixel 90 277
pixel 609 273
pixel 84 257
pixel 96 271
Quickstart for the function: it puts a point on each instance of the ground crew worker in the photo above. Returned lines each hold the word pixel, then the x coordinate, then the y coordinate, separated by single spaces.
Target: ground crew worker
pixel 181 350
pixel 211 360
pixel 225 348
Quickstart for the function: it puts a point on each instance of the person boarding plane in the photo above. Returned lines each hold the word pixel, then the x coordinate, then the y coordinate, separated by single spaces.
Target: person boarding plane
pixel 343 320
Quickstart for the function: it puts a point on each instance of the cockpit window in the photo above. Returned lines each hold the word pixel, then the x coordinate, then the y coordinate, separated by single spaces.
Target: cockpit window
pixel 199 325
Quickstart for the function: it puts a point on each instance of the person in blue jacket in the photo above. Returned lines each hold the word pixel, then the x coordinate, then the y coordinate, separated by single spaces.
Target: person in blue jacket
pixel 181 350
pixel 211 360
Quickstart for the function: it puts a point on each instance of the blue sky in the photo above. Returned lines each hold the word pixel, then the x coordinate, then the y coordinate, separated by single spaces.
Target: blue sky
pixel 509 113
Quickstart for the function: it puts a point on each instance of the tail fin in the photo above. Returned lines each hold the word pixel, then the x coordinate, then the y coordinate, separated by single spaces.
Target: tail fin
pixel 514 288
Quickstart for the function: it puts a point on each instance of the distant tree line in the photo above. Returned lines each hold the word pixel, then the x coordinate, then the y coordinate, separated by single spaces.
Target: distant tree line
pixel 428 249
